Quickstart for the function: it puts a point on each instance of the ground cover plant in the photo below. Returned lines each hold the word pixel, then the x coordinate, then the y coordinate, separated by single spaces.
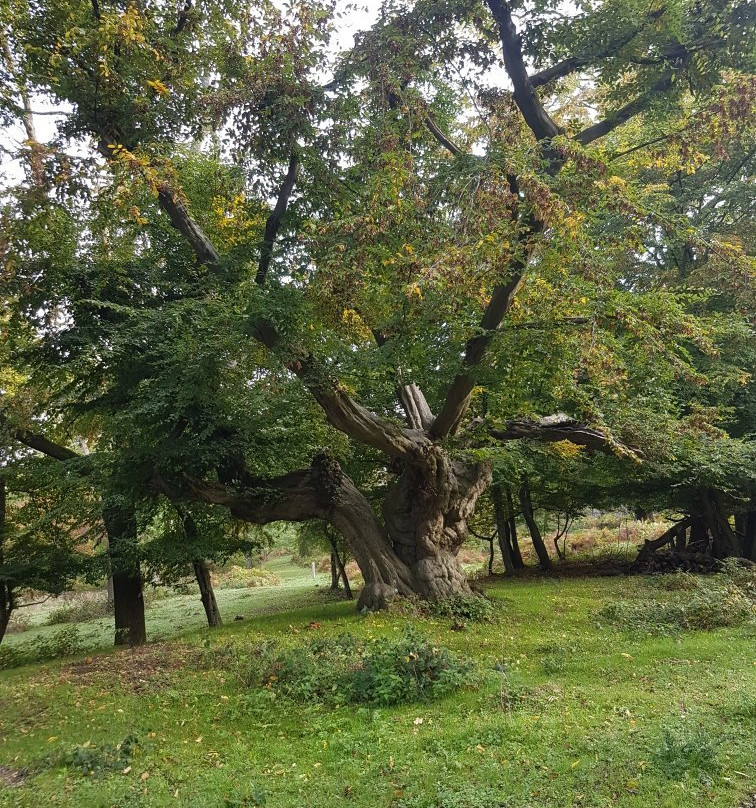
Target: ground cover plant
pixel 564 710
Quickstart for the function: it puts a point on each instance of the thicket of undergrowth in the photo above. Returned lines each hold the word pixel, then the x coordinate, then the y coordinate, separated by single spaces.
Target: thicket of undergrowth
pixel 702 602
pixel 347 669
pixel 65 642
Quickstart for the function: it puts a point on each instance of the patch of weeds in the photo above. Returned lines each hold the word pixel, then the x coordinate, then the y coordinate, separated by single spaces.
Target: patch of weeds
pixel 19 622
pixel 553 657
pixel 254 797
pixel 345 669
pixel 716 601
pixel 471 795
pixel 96 761
pixel 66 642
pixel 242 578
pixel 675 582
pixel 80 612
pixel 475 608
pixel 685 750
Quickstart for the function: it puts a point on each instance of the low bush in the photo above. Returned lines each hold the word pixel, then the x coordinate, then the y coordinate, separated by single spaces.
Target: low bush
pixel 704 602
pixel 80 611
pixel 65 642
pixel 241 578
pixel 683 750
pixel 19 622
pixel 96 761
pixel 475 608
pixel 344 669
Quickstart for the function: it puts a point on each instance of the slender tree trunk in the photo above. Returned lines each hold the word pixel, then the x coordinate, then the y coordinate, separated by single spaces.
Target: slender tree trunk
pixel 6 591
pixel 128 599
pixel 515 546
pixel 207 593
pixel 334 572
pixel 338 569
pixel 527 512
pixel 502 525
pixel 7 601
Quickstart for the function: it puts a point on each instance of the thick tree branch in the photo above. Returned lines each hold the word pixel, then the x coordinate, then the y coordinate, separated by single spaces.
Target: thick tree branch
pixel 574 63
pixel 560 427
pixel 443 139
pixel 458 398
pixel 624 114
pixel 419 415
pixel 533 111
pixel 37 442
pixel 189 229
pixel 321 492
pixel 273 223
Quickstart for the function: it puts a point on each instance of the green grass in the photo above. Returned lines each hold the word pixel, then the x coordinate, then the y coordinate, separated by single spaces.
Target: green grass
pixel 565 713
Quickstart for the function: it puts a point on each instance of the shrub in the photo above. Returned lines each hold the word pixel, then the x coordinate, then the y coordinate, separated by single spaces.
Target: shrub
pixel 65 642
pixel 80 612
pixel 241 577
pixel 19 622
pixel 96 761
pixel 683 750
pixel 344 669
pixel 475 608
pixel 704 602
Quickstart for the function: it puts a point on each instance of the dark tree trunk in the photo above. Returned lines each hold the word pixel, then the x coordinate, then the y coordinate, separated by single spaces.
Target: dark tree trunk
pixel 207 593
pixel 699 533
pixel 6 590
pixel 201 570
pixel 724 541
pixel 749 536
pixel 335 576
pixel 128 599
pixel 338 570
pixel 516 554
pixel 502 526
pixel 527 512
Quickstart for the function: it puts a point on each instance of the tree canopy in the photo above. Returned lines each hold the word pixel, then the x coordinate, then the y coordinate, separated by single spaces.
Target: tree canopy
pixel 257 270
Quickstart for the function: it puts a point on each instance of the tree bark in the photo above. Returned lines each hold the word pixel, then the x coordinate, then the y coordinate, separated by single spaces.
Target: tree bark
pixel 749 536
pixel 207 593
pixel 724 541
pixel 516 554
pixel 535 533
pixel 128 598
pixel 7 601
pixel 502 525
pixel 338 571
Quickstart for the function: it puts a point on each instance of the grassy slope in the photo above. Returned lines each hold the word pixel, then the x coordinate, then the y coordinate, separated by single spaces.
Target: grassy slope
pixel 575 720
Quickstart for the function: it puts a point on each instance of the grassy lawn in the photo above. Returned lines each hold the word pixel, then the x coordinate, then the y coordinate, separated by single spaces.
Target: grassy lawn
pixel 563 712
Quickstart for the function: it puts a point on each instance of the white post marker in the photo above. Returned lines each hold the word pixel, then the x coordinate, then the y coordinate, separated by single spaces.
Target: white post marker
pixel 314 577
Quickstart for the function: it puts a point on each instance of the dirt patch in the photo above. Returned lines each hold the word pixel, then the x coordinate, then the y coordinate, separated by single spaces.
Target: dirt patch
pixel 749 802
pixel 9 778
pixel 137 670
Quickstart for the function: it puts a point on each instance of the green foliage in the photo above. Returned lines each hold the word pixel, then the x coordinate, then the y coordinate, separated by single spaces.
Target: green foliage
pixel 347 670
pixel 65 642
pixel 684 750
pixel 96 761
pixel 476 608
pixel 80 612
pixel 240 578
pixel 701 603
